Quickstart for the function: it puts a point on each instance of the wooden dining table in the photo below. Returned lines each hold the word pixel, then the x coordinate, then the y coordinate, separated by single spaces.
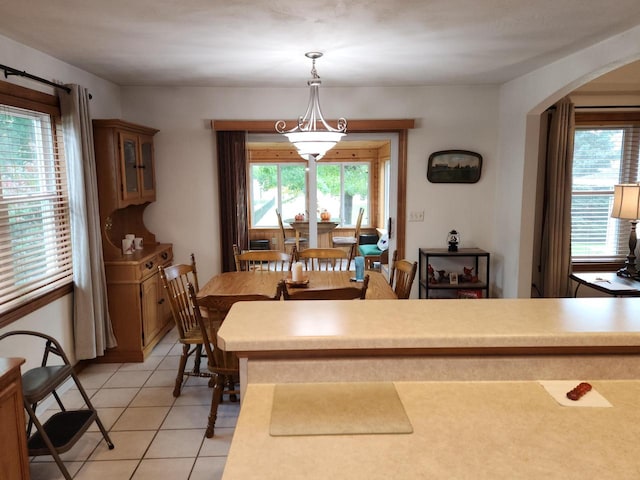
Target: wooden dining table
pixel 301 227
pixel 266 283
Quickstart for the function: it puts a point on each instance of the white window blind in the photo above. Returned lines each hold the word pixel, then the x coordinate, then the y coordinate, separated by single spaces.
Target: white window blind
pixel 35 242
pixel 603 157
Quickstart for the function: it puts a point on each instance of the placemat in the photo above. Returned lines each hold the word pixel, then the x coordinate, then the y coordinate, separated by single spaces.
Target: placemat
pixel 558 390
pixel 337 409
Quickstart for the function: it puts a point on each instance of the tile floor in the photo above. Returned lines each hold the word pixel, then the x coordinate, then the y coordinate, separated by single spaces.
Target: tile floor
pixel 155 435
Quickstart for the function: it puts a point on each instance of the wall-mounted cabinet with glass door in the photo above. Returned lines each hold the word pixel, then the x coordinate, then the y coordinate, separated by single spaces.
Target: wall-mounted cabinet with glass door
pixel 136 164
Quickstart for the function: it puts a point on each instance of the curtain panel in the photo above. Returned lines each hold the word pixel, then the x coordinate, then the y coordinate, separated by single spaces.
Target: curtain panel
pixel 555 253
pixel 232 185
pixel 92 329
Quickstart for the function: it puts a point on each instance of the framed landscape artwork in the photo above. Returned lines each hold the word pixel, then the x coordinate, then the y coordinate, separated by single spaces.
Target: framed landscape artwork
pixel 454 166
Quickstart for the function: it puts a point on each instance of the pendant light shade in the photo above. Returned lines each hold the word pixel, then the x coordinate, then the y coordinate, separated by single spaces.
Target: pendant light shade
pixel 313 137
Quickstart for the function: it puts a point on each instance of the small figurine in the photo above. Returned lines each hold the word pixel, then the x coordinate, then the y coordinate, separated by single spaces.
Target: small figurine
pixel 431 274
pixel 442 276
pixel 467 275
pixel 453 237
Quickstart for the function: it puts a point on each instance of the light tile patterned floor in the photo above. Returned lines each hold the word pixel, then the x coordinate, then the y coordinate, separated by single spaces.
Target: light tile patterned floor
pixel 155 435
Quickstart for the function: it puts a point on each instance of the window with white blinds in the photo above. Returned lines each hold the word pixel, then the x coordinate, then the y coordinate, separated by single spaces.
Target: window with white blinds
pixel 604 155
pixel 35 242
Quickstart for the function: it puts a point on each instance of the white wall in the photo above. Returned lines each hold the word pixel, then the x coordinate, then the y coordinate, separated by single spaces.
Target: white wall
pixel 186 210
pixel 56 318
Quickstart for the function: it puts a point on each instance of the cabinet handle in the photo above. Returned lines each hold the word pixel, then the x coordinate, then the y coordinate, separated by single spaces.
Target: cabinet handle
pixel 161 301
pixel 149 265
pixel 164 255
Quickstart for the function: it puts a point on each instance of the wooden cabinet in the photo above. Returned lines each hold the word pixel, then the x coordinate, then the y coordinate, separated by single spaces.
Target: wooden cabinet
pixel 128 177
pixel 14 461
pixel 126 185
pixel 139 311
pixel 438 284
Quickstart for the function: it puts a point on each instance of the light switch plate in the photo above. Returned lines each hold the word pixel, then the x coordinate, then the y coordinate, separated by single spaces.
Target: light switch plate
pixel 416 216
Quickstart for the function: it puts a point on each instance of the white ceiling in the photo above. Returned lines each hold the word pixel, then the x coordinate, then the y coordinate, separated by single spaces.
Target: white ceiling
pixel 262 42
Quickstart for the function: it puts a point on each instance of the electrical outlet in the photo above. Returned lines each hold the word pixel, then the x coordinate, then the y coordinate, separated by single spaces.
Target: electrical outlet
pixel 416 216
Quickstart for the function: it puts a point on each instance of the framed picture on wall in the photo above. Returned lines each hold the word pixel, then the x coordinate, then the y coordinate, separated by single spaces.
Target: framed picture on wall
pixel 454 166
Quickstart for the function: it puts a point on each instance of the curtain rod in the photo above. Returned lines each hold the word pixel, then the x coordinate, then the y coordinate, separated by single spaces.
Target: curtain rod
pixel 12 71
pixel 595 107
pixel 607 106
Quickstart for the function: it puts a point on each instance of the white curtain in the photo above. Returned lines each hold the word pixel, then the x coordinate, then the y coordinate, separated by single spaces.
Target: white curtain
pixel 555 245
pixel 93 332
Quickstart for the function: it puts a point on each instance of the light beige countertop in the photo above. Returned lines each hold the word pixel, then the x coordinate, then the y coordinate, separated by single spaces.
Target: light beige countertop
pixel 461 430
pixel 432 324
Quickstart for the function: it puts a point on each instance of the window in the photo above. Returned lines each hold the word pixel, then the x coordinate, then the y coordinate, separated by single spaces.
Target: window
pixel 35 244
pixel 343 188
pixel 277 185
pixel 605 153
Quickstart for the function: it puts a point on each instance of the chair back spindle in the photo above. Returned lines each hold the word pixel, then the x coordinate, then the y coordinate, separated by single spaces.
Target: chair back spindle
pixel 261 260
pixel 324 259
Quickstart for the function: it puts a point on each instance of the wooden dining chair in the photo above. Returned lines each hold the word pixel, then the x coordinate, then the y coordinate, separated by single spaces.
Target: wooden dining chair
pixel 341 293
pixel 285 241
pixel 350 242
pixel 175 280
pixel 261 260
pixel 222 365
pixel 401 277
pixel 323 259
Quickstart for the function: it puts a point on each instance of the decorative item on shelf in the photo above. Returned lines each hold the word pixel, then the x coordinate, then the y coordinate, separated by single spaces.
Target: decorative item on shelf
pixel 626 205
pixel 468 276
pixel 454 166
pixel 127 246
pixel 431 273
pixel 138 243
pixel 299 217
pixel 313 137
pixel 442 276
pixel 469 293
pixel 453 238
pixel 453 278
pixel 325 216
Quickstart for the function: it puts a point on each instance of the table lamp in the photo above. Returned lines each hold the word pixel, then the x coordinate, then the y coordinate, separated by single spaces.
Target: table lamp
pixel 626 205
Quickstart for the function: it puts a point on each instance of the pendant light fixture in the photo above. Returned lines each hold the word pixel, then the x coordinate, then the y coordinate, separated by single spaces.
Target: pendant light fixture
pixel 313 136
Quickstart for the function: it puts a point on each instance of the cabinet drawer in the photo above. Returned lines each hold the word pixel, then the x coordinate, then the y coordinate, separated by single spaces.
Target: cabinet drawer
pixel 151 264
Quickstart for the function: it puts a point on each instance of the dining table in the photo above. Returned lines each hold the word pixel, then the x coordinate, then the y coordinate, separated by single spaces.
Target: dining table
pixel 301 227
pixel 266 283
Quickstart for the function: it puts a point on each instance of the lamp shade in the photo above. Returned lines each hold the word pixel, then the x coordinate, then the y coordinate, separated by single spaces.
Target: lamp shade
pixel 313 137
pixel 315 143
pixel 626 201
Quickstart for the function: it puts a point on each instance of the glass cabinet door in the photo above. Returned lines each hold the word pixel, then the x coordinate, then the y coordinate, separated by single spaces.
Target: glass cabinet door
pixel 129 146
pixel 148 184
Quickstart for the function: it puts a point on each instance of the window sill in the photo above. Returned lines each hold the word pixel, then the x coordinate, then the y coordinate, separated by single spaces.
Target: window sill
pixel 33 305
pixel 595 266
